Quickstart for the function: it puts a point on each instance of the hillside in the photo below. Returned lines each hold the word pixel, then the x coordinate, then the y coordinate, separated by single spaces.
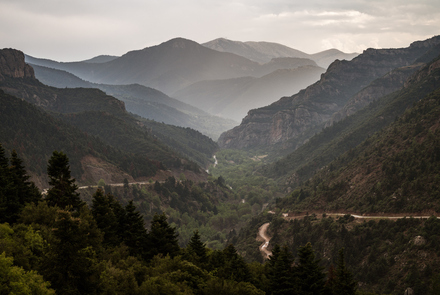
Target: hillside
pixel 395 170
pixel 233 98
pixel 346 134
pixel 143 101
pixel 101 115
pixel 35 135
pixel 264 52
pixel 294 119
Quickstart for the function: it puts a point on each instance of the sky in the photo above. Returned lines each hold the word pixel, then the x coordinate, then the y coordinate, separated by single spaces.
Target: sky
pixel 73 30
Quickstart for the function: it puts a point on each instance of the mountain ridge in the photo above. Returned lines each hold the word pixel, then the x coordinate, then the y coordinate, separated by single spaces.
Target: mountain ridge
pixel 297 118
pixel 264 52
pixel 143 101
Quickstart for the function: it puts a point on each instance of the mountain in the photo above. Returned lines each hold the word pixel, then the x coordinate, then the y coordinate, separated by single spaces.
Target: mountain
pixel 346 134
pixel 263 52
pixel 168 67
pixel 394 170
pixel 233 98
pixel 292 120
pixel 103 116
pixel 101 59
pixel 144 101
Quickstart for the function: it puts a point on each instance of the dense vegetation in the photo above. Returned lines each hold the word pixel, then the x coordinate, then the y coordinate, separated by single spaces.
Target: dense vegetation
pixel 61 245
pixel 344 135
pixel 395 170
pixel 35 134
pixel 386 256
pixel 98 114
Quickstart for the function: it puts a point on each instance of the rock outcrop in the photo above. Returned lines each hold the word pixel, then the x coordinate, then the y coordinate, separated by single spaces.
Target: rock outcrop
pixel 385 85
pixel 292 120
pixel 12 65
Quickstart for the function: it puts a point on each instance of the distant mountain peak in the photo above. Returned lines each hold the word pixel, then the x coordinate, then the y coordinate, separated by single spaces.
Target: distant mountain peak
pixel 179 42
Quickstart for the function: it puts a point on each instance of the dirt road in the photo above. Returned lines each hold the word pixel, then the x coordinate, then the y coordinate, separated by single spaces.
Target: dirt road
pixel 262 231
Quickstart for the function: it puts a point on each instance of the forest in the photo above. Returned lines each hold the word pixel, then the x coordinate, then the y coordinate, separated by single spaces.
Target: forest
pixel 56 243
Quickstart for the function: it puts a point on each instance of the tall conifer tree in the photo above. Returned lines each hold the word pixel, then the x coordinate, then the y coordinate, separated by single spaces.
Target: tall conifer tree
pixel 344 283
pixel 63 191
pixel 162 238
pixel 309 273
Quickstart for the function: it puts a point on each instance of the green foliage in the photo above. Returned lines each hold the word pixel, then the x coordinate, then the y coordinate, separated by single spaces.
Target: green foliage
pixel 398 167
pixel 71 262
pixel 309 272
pixel 343 283
pixel 332 142
pixel 15 280
pixel 63 191
pixel 196 250
pixel 374 251
pixel 162 238
pixel 106 212
pixel 15 189
pixel 280 272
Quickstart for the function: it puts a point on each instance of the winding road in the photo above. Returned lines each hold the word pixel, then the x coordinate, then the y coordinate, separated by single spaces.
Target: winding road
pixel 262 231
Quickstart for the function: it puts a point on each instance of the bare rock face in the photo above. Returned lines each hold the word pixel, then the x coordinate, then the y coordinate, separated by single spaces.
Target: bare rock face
pixel 389 83
pixel 419 241
pixel 12 65
pixel 298 117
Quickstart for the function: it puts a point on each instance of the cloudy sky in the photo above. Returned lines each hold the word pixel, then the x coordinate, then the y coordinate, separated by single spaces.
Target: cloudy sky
pixel 68 30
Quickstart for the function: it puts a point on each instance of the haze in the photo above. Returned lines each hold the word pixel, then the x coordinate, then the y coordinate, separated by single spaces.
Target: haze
pixel 81 29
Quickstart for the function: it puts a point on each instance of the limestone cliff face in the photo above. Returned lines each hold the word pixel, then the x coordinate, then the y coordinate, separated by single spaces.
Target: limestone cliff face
pixel 12 65
pixel 389 83
pixel 296 118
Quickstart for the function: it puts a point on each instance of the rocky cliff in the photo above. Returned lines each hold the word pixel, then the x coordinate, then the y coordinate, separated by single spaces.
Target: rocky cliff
pixel 294 119
pixel 385 85
pixel 12 65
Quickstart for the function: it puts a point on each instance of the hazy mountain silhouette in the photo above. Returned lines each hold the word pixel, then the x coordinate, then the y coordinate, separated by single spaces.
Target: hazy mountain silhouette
pixel 144 101
pixel 263 52
pixel 293 120
pixel 233 98
pixel 168 67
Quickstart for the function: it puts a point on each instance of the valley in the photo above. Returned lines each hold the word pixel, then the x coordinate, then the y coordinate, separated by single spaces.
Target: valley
pixel 334 165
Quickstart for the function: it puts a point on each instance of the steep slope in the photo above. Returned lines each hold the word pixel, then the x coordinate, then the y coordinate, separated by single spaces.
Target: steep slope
pixel 346 134
pixel 263 52
pixel 233 98
pixel 297 118
pixel 144 101
pixel 395 170
pixel 102 115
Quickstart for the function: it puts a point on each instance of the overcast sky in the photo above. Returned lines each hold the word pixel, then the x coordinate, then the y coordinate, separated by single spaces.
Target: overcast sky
pixel 68 30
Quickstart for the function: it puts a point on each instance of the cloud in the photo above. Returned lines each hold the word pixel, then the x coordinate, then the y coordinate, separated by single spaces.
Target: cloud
pixel 80 29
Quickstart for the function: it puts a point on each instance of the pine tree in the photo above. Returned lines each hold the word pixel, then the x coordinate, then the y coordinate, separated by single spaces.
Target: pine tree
pixel 15 189
pixel 281 280
pixel 63 191
pixel 234 268
pixel 71 264
pixel 162 238
pixel 309 273
pixel 106 219
pixel 4 181
pixel 344 284
pixel 197 248
pixel 132 230
pixel 26 190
